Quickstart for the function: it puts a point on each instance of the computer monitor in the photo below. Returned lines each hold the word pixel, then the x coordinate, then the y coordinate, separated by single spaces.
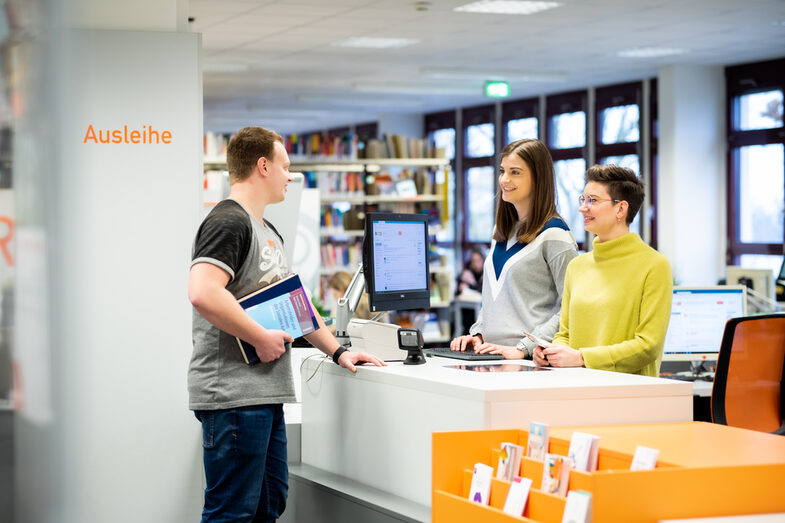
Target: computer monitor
pixel 698 317
pixel 395 261
pixel 759 280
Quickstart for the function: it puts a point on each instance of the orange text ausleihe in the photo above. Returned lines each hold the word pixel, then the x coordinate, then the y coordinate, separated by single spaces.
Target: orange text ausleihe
pixel 147 135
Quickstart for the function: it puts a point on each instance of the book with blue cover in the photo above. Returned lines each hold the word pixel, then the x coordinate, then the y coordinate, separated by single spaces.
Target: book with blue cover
pixel 282 305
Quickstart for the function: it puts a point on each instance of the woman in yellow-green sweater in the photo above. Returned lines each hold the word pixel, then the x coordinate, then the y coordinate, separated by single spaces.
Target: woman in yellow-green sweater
pixel 617 298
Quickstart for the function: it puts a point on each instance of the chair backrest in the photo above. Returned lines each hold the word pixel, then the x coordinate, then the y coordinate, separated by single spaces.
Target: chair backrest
pixel 748 384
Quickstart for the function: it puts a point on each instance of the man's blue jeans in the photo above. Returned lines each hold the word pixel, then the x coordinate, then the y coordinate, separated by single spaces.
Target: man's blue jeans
pixel 244 463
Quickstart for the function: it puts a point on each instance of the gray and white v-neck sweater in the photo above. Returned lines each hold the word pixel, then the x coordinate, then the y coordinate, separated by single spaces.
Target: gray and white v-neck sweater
pixel 522 287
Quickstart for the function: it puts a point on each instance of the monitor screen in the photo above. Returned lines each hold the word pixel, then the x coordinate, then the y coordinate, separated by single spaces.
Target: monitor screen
pixel 698 317
pixel 395 261
pixel 759 280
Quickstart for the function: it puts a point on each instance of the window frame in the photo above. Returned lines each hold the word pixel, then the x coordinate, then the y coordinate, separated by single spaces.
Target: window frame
pixel 435 122
pixel 516 110
pixel 476 115
pixel 742 80
pixel 630 94
pixel 570 102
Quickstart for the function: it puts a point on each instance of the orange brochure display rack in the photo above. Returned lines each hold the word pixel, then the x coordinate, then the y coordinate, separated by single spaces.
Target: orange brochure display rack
pixel 703 470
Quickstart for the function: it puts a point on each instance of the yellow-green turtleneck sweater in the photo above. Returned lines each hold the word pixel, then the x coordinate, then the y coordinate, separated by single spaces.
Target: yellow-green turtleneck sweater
pixel 616 306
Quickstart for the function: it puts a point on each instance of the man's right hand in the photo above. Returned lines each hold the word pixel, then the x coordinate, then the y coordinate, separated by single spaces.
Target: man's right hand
pixel 271 345
pixel 467 342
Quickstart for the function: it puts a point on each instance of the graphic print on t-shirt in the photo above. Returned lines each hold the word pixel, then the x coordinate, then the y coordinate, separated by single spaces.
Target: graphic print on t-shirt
pixel 272 264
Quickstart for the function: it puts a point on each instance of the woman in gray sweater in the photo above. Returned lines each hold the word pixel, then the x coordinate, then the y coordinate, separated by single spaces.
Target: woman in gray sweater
pixel 531 246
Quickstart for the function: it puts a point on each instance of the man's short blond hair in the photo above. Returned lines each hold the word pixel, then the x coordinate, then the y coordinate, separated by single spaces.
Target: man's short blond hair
pixel 246 147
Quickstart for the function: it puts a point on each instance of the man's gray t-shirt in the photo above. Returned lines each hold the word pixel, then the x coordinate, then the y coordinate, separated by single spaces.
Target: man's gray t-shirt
pixel 252 254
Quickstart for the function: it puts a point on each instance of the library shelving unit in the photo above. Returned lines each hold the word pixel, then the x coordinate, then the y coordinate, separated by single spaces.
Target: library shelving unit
pixel 343 185
pixel 351 187
pixel 704 470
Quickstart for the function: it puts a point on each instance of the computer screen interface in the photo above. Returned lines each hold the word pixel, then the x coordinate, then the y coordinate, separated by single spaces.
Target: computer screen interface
pixel 697 322
pixel 395 261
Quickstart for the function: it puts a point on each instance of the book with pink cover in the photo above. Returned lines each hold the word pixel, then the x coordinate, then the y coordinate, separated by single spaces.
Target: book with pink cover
pixel 517 496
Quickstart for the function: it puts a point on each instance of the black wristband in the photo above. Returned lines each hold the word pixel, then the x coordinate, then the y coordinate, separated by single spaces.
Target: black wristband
pixel 340 350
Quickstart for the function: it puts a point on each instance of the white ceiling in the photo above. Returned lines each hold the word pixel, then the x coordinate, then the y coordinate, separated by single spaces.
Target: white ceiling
pixel 273 63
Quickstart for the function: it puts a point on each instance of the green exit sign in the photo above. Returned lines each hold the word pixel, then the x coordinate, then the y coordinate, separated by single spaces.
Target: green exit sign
pixel 497 89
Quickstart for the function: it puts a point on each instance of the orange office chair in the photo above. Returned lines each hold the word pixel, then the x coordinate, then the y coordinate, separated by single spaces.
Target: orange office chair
pixel 749 383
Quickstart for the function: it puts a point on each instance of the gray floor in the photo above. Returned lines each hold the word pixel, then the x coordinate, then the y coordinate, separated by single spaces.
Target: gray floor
pixel 6 465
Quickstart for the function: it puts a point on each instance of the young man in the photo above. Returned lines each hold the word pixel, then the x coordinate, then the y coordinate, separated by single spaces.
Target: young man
pixel 240 406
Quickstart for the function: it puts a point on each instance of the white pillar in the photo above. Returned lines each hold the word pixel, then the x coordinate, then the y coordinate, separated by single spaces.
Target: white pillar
pixel 103 431
pixel 692 172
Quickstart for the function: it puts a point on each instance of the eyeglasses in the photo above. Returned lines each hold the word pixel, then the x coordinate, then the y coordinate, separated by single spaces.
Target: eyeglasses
pixel 588 201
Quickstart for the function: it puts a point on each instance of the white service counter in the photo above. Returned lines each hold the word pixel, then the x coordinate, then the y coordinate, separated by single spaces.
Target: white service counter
pixel 375 426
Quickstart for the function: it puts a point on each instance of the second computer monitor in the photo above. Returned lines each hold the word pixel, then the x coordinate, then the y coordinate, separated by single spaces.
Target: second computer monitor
pixel 698 317
pixel 395 261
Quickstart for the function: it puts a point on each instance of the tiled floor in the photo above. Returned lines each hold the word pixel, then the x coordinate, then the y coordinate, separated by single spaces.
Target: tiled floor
pixel 6 465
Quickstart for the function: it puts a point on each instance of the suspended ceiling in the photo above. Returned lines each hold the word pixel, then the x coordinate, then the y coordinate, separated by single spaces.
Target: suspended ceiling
pixel 275 63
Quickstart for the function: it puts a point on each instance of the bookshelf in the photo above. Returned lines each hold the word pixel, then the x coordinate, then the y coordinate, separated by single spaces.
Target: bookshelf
pixel 703 470
pixel 344 186
pixel 349 186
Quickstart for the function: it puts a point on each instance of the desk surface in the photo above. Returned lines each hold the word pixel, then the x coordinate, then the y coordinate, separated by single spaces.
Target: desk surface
pixel 447 376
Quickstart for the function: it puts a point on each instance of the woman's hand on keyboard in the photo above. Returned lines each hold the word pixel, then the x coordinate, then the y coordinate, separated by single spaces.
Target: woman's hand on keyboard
pixel 468 342
pixel 509 353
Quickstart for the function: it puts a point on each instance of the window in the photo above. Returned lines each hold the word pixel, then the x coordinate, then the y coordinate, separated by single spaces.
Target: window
pixel 569 186
pixel 480 192
pixel 566 131
pixel 479 176
pixel 479 140
pixel 444 139
pixel 440 130
pixel 756 166
pixel 761 203
pixel 618 110
pixel 759 111
pixel 520 120
pixel 521 128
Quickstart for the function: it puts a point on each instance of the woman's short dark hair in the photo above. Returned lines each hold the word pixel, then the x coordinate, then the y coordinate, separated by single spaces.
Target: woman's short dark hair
pixel 246 147
pixel 622 184
pixel 540 163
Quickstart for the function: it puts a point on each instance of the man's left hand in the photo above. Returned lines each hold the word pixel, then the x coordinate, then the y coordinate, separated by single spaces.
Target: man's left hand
pixel 349 359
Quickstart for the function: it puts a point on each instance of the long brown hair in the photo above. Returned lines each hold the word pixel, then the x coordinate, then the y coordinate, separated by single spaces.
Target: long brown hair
pixel 539 161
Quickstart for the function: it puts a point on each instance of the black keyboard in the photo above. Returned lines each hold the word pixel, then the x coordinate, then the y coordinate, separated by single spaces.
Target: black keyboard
pixel 690 377
pixel 445 352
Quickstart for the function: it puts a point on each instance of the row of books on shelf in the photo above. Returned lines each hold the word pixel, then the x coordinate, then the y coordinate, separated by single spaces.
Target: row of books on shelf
pixel 337 256
pixel 398 146
pixel 406 184
pixel 345 146
pixel 340 183
pixel 582 456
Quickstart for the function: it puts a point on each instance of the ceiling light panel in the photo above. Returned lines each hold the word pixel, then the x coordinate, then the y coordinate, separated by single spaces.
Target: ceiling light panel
pixel 376 43
pixel 506 7
pixel 650 52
